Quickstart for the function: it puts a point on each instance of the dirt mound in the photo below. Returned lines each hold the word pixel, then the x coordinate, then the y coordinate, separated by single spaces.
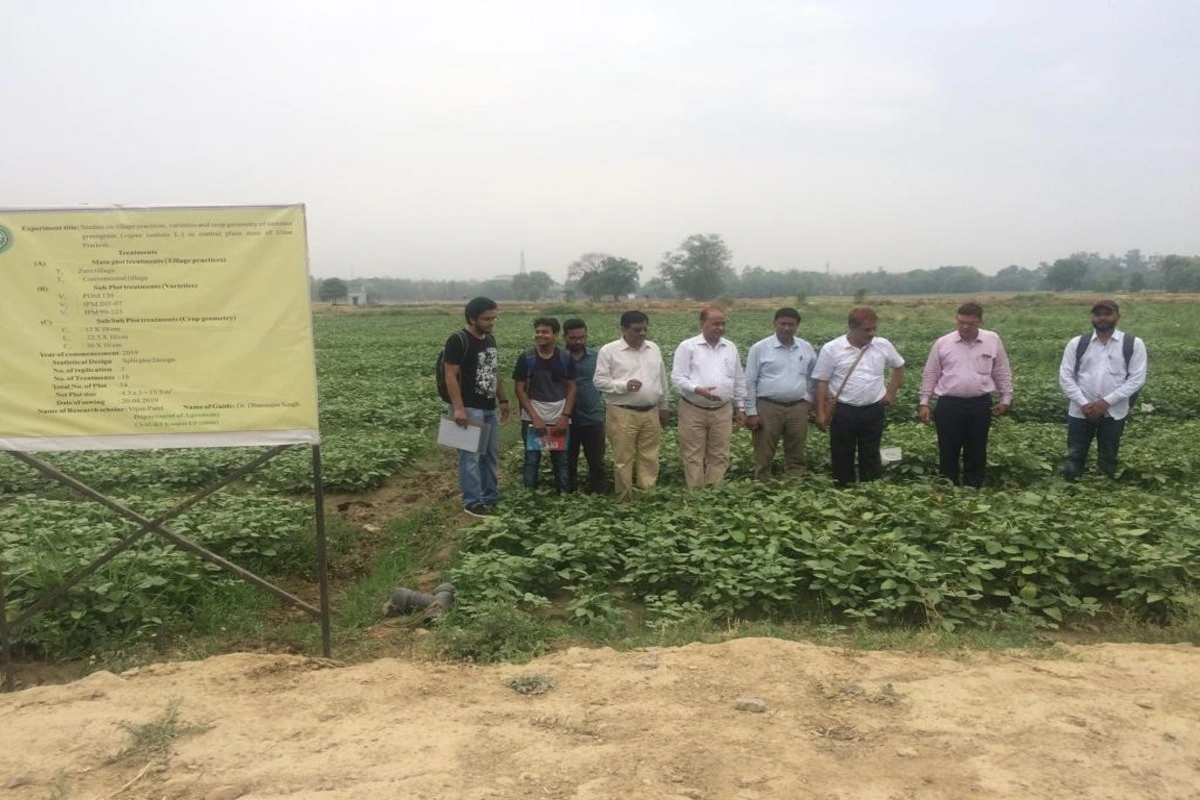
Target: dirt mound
pixel 750 718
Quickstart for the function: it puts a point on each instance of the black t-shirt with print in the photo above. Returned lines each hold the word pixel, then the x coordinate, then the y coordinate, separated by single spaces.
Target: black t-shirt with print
pixel 479 368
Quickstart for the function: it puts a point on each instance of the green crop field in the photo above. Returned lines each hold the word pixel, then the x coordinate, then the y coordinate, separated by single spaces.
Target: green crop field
pixel 906 550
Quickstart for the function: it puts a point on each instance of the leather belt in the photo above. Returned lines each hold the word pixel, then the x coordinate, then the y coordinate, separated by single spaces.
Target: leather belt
pixel 703 408
pixel 633 408
pixel 784 403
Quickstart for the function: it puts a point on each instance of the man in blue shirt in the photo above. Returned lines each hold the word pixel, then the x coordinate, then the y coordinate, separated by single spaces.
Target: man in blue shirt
pixel 587 421
pixel 779 395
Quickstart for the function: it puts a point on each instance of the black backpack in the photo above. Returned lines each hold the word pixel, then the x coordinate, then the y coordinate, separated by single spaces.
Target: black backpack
pixel 440 368
pixel 1126 350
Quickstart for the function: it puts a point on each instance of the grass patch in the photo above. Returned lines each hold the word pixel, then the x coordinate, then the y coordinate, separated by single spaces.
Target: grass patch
pixel 152 741
pixel 493 632
pixel 1181 626
pixel 413 545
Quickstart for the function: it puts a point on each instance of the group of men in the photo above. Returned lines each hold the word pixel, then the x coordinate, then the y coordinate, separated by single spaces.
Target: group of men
pixel 583 397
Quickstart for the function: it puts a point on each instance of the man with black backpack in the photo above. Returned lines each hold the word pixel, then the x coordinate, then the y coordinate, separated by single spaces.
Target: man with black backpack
pixel 469 381
pixel 1101 375
pixel 544 379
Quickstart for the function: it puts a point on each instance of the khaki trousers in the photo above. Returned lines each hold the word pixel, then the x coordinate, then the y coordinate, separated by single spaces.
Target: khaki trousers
pixel 634 437
pixel 704 436
pixel 789 422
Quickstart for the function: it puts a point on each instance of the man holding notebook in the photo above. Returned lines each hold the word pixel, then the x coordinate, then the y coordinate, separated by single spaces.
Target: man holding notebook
pixel 545 384
pixel 470 367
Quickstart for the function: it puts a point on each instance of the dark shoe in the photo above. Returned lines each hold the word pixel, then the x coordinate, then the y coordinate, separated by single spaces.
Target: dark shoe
pixel 478 510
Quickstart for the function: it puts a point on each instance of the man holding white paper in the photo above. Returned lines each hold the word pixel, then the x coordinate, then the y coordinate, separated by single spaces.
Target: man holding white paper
pixel 471 363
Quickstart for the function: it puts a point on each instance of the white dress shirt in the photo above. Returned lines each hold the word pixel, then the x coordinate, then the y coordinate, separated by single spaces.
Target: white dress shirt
pixel 866 384
pixel 698 363
pixel 1102 375
pixel 617 363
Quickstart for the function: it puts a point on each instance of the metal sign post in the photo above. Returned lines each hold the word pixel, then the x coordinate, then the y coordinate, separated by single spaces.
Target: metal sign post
pixel 157 526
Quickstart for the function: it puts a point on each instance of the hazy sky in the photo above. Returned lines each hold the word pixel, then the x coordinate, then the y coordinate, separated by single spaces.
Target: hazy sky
pixel 439 139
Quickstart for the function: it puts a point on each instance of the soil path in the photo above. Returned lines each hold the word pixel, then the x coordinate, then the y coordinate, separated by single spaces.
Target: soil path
pixel 1108 721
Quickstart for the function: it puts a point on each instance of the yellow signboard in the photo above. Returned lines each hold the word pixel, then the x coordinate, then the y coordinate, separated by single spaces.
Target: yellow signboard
pixel 155 327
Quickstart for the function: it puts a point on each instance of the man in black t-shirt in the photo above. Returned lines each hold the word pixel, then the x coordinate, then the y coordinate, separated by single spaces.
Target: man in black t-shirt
pixel 544 379
pixel 472 369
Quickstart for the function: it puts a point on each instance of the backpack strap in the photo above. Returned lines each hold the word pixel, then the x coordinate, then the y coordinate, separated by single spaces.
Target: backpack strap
pixel 1127 344
pixel 1080 349
pixel 462 337
pixel 564 359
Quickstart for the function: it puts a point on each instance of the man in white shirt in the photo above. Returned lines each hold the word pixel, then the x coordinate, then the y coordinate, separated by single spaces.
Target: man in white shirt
pixel 707 373
pixel 1099 374
pixel 631 375
pixel 851 394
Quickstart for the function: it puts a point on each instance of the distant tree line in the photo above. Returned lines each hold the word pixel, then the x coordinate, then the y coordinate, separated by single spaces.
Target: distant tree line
pixel 701 268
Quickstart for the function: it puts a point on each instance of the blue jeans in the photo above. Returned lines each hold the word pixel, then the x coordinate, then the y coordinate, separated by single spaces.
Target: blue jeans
pixel 533 465
pixel 1080 432
pixel 477 471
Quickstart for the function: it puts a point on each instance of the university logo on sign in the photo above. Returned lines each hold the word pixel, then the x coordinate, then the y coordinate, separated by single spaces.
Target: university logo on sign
pixel 6 238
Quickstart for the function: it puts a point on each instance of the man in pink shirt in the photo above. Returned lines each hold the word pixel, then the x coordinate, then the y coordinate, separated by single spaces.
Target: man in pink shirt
pixel 963 369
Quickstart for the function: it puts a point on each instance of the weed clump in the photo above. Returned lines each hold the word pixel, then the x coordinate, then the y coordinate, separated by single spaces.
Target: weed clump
pixel 492 632
pixel 151 741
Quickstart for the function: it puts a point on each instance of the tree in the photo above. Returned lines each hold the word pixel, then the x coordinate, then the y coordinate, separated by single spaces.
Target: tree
pixel 1181 273
pixel 1014 278
pixel 700 267
pixel 657 289
pixel 332 290
pixel 610 276
pixel 1067 274
pixel 532 286
pixel 585 263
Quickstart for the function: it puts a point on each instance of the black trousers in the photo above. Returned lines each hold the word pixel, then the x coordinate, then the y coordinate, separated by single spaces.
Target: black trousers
pixel 1080 432
pixel 962 430
pixel 591 440
pixel 856 430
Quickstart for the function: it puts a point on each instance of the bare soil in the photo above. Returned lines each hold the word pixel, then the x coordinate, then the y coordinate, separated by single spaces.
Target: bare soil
pixel 1108 721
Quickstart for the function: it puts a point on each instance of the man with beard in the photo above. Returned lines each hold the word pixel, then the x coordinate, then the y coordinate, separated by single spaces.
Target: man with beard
pixel 1099 374
pixel 471 366
pixel 587 423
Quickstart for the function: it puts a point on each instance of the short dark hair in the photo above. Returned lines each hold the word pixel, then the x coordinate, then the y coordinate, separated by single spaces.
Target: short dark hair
pixel 971 310
pixel 549 322
pixel 705 311
pixel 633 318
pixel 788 311
pixel 574 324
pixel 859 315
pixel 477 306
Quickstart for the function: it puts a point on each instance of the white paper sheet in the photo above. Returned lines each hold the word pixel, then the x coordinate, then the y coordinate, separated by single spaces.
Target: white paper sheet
pixel 452 435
